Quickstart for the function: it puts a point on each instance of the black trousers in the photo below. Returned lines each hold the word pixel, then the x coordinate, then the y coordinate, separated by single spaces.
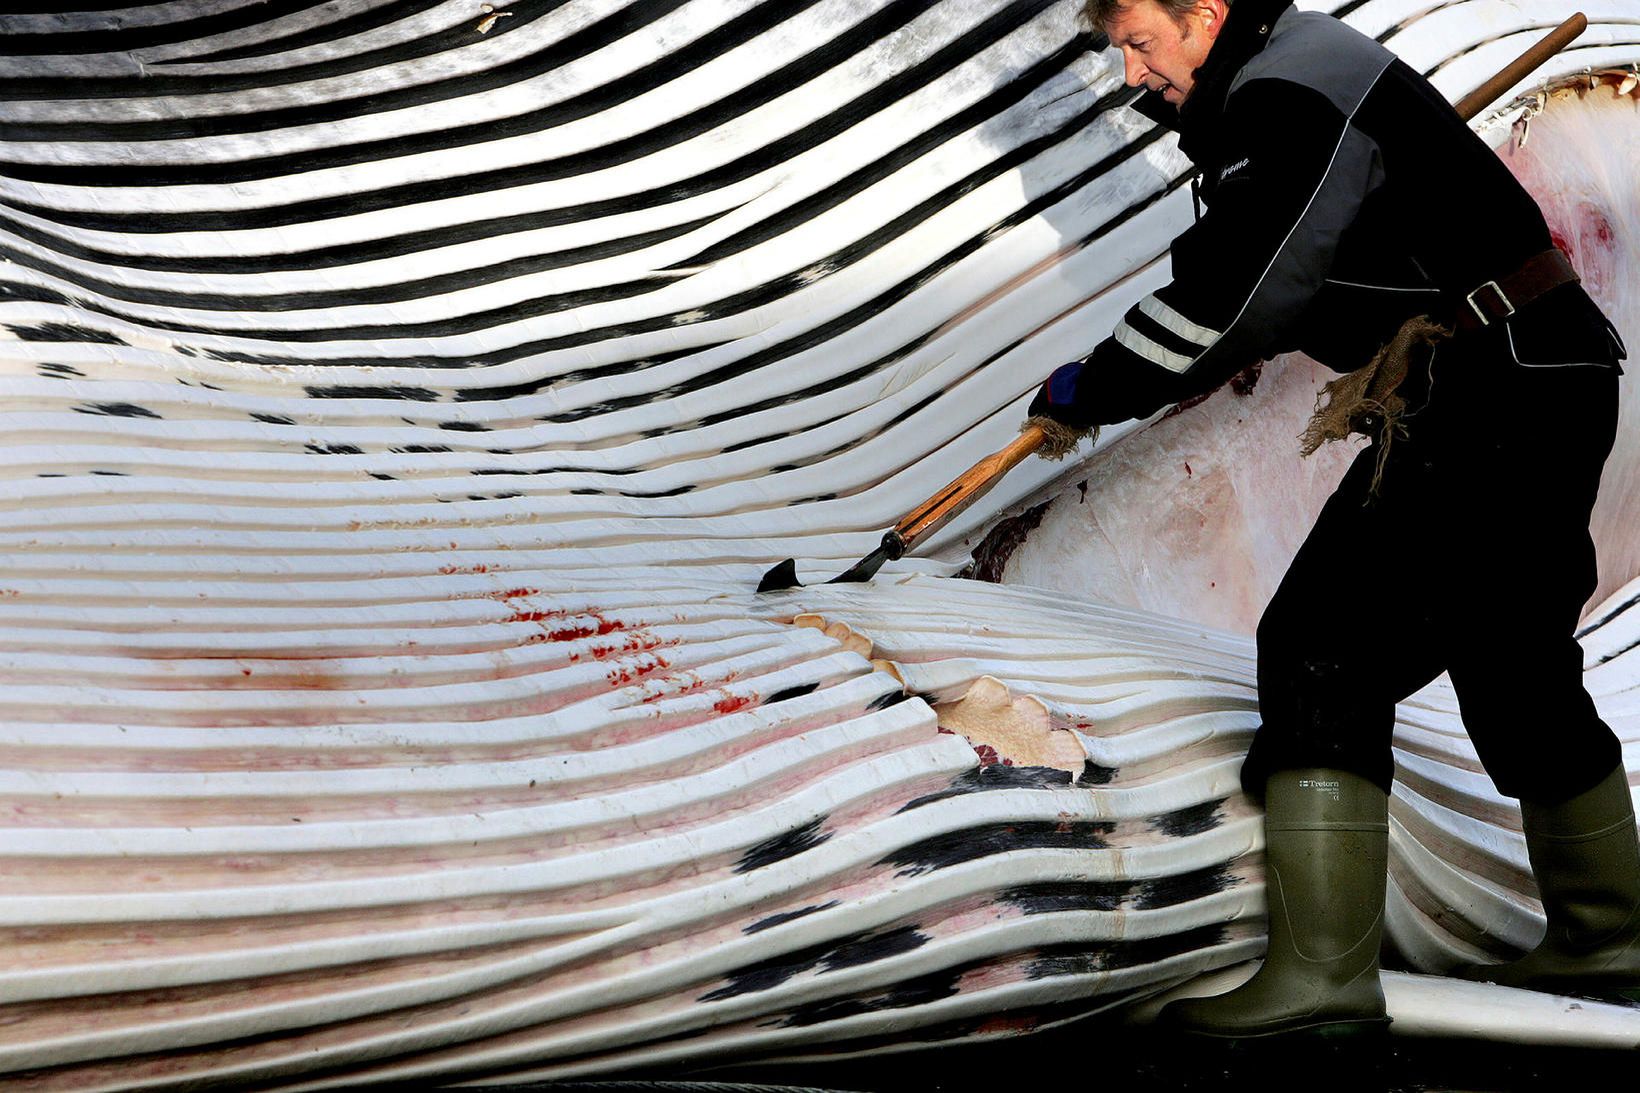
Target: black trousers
pixel 1474 558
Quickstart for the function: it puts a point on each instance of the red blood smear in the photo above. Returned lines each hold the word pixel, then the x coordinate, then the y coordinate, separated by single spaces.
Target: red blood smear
pixel 1245 382
pixel 514 593
pixel 684 683
pixel 732 703
pixel 987 754
pixel 621 676
pixel 1602 226
pixel 1561 243
pixel 637 642
pixel 570 633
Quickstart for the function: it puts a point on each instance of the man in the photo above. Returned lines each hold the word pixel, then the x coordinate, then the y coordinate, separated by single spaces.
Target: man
pixel 1351 214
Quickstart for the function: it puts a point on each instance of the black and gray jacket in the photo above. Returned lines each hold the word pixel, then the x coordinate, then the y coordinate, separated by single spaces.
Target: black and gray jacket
pixel 1343 195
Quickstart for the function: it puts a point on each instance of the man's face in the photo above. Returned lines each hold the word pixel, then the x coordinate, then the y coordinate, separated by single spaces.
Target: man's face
pixel 1160 52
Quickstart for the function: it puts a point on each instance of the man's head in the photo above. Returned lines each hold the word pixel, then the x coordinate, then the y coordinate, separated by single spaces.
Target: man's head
pixel 1163 42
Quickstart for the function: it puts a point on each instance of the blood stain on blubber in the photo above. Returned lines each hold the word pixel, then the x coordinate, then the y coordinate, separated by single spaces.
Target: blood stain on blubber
pixel 733 703
pixel 620 677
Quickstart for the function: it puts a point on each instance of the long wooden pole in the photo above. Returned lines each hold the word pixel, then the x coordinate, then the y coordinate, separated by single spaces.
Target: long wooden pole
pixel 1521 67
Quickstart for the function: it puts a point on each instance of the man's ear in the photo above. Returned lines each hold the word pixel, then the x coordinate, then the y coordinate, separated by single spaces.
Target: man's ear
pixel 1213 13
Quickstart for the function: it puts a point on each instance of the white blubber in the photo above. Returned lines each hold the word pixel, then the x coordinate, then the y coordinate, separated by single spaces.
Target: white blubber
pixel 397 413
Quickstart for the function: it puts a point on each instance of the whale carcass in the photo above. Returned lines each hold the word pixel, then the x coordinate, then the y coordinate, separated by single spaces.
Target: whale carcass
pixel 401 403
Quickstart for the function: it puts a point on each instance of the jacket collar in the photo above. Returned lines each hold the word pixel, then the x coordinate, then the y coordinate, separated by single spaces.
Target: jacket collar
pixel 1245 33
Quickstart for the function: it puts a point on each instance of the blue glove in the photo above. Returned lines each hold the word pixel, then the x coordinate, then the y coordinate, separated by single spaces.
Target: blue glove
pixel 1057 397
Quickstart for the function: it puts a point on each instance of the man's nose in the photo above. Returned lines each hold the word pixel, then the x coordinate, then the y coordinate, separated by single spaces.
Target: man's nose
pixel 1133 69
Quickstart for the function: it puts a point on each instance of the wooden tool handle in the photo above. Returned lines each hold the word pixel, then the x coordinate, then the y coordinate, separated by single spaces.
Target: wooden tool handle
pixel 1522 66
pixel 962 490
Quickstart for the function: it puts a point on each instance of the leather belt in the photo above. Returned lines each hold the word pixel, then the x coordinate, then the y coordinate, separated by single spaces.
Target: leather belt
pixel 1500 299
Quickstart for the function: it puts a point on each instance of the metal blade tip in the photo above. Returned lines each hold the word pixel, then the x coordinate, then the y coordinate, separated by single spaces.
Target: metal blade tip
pixel 781 577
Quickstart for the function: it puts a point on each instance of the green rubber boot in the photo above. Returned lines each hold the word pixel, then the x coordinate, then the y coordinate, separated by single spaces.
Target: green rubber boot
pixel 1326 850
pixel 1586 857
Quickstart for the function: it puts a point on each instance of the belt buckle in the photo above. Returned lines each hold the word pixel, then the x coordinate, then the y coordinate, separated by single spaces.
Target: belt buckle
pixel 1480 313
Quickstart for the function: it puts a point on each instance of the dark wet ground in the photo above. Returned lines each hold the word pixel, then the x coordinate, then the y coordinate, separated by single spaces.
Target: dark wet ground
pixel 1103 1058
